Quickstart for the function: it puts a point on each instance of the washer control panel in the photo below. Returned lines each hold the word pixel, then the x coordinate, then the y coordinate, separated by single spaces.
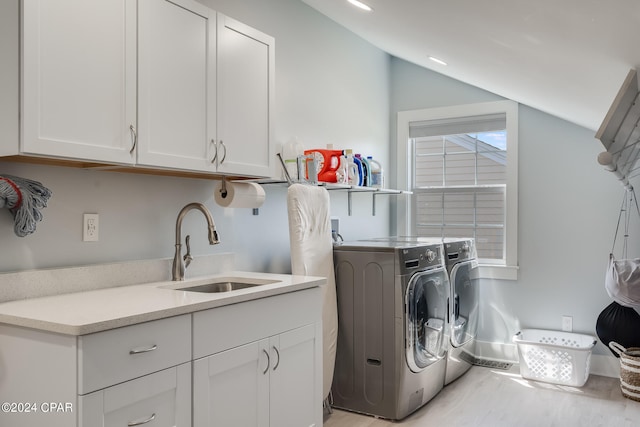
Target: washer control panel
pixel 420 257
pixel 460 250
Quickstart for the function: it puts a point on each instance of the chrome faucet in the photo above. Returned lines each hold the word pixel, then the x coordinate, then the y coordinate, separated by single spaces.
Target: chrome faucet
pixel 180 263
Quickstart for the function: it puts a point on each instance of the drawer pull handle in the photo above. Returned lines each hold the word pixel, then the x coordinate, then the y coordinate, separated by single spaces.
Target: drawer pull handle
pixel 139 423
pixel 266 353
pixel 144 350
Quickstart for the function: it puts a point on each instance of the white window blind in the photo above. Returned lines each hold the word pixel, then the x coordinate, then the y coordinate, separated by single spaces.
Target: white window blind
pixel 461 164
pixel 459 180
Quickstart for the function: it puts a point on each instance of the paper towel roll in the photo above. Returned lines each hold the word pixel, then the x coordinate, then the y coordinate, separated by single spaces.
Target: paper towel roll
pixel 240 195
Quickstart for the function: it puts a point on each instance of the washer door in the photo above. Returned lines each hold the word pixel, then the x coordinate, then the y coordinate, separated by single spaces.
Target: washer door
pixel 465 299
pixel 425 311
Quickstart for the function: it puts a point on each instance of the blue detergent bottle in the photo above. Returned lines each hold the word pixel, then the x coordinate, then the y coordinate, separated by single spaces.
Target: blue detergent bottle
pixel 366 171
pixel 358 163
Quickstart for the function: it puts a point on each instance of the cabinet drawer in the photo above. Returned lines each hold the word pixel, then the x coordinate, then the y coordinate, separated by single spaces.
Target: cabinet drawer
pixel 226 327
pixel 159 399
pixel 114 356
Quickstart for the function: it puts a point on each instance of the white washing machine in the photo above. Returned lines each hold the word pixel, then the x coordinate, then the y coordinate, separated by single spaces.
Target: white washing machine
pixel 392 310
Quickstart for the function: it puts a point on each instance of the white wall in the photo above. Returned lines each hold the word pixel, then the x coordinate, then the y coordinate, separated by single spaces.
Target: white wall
pixel 568 209
pixel 331 87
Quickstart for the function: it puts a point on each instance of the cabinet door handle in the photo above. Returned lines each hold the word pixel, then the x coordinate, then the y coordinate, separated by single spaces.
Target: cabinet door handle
pixel 134 138
pixel 278 361
pixel 144 350
pixel 139 423
pixel 224 153
pixel 268 361
pixel 215 150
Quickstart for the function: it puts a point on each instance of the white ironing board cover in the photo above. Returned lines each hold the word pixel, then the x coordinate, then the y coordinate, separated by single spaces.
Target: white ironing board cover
pixel 312 255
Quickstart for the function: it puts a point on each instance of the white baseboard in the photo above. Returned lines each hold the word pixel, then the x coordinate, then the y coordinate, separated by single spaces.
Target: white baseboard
pixel 604 365
pixel 500 352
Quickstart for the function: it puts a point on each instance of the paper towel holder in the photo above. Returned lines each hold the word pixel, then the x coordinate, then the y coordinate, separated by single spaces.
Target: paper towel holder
pixel 223 188
pixel 223 193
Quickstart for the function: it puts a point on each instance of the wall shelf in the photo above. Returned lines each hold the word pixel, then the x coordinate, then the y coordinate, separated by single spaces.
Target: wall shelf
pixel 350 189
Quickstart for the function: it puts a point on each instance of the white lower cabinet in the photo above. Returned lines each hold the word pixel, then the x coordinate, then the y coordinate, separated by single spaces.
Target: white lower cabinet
pixel 259 363
pixel 255 363
pixel 292 389
pixel 162 399
pixel 270 382
pixel 117 377
pixel 232 388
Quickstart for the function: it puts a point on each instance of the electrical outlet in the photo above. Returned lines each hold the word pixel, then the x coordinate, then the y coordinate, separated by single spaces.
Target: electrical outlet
pixel 567 323
pixel 90 227
pixel 335 224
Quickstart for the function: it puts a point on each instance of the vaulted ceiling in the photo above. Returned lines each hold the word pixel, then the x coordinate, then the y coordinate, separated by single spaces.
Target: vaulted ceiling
pixel 565 57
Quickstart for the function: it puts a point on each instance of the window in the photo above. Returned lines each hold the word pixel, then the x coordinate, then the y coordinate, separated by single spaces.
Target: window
pixel 460 163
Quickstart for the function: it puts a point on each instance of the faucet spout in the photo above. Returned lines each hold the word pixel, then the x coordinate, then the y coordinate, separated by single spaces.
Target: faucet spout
pixel 177 271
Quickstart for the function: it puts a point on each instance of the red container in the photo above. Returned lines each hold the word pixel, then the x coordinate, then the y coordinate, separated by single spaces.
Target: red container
pixel 329 161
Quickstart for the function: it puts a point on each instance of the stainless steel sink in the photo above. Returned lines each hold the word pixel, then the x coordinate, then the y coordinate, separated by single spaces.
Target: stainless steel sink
pixel 227 285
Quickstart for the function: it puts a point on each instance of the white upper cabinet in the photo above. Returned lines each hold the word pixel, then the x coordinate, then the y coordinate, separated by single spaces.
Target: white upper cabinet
pixel 245 96
pixel 176 84
pixel 9 77
pixel 79 79
pixel 156 83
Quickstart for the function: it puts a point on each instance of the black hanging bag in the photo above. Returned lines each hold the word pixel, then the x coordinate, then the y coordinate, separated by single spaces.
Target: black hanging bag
pixel 620 320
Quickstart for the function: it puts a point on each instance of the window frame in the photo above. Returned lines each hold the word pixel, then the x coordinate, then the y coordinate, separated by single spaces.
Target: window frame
pixel 405 164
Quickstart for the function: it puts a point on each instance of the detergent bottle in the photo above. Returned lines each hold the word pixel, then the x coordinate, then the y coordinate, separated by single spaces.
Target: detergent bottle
pixel 366 171
pixel 354 169
pixel 377 174
pixel 343 171
pixel 328 163
pixel 358 164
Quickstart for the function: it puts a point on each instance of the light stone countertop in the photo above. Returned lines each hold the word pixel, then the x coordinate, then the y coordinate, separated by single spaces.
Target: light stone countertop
pixel 81 313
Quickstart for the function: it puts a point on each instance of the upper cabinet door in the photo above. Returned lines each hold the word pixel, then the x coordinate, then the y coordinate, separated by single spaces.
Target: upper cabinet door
pixel 79 79
pixel 245 98
pixel 176 82
pixel 9 77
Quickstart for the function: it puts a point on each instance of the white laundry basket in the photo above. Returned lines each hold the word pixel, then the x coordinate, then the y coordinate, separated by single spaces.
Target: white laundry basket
pixel 555 357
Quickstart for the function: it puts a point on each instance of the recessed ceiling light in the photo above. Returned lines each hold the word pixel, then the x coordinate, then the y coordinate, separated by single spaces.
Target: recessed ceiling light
pixel 437 60
pixel 360 5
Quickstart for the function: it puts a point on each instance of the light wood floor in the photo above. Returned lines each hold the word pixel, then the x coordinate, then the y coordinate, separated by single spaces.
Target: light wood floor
pixel 497 398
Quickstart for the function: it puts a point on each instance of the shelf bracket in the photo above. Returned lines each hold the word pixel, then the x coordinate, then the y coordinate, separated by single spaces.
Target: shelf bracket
pixel 373 204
